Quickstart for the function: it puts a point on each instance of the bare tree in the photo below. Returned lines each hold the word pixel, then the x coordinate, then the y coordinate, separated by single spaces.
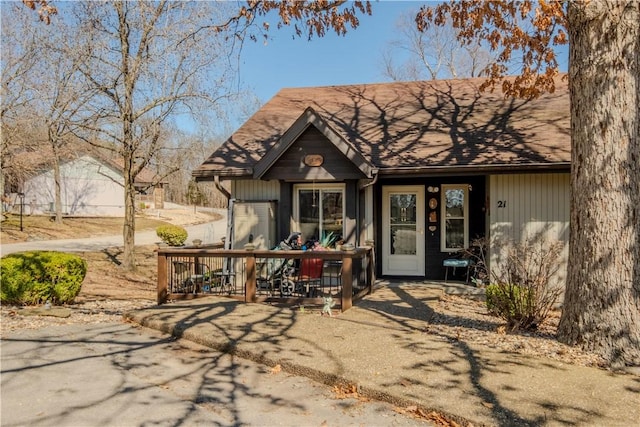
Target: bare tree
pixel 147 67
pixel 60 94
pixel 182 149
pixel 154 60
pixel 190 150
pixel 19 58
pixel 432 54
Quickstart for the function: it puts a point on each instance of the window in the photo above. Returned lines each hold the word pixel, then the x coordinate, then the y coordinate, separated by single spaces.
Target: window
pixel 455 217
pixel 319 210
pixel 403 223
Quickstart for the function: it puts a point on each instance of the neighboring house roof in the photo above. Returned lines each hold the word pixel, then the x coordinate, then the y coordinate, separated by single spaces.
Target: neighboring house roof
pixel 406 127
pixel 146 177
pixel 37 162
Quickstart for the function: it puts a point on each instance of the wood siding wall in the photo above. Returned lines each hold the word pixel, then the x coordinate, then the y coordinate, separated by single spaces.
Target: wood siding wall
pixel 255 190
pixel 529 206
pixel 291 167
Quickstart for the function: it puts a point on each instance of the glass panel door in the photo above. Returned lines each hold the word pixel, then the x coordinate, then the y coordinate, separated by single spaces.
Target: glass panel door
pixel 332 213
pixel 402 225
pixel 403 230
pixel 309 213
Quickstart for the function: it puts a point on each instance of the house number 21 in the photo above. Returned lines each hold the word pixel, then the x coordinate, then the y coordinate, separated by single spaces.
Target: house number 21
pixel 502 203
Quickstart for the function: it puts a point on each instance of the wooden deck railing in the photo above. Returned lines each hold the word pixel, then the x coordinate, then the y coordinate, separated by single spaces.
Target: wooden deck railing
pixel 288 277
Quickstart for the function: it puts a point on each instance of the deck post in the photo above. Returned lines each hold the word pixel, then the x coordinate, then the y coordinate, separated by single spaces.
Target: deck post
pixel 347 281
pixel 370 270
pixel 250 285
pixel 371 265
pixel 162 278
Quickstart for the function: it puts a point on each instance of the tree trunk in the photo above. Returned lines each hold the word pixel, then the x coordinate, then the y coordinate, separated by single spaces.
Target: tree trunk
pixel 129 150
pixel 129 229
pixel 57 182
pixel 602 301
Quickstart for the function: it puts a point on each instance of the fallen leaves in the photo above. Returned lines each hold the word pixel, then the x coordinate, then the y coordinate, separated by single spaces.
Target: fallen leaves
pixel 488 405
pixel 275 370
pixel 346 391
pixel 433 416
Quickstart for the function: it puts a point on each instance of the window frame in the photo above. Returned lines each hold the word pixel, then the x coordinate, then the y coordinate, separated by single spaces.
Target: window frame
pixel 320 187
pixel 443 216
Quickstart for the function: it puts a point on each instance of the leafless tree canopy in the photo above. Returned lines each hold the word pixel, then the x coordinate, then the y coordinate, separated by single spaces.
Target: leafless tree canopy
pixel 433 54
pixel 149 64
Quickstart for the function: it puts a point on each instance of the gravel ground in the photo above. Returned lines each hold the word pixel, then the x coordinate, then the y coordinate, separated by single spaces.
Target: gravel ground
pixel 475 325
pixel 97 311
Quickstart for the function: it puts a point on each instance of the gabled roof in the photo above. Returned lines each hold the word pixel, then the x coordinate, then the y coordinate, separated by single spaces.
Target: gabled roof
pixel 311 118
pixel 146 177
pixel 408 127
pixel 37 162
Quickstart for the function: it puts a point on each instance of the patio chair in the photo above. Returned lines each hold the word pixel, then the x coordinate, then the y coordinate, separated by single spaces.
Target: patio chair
pixel 310 277
pixel 187 279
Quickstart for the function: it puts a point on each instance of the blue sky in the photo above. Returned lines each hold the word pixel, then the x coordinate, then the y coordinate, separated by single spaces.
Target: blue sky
pixel 330 60
pixel 287 61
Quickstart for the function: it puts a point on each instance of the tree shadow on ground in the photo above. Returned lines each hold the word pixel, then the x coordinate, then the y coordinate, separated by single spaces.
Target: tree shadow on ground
pixel 142 369
pixel 408 309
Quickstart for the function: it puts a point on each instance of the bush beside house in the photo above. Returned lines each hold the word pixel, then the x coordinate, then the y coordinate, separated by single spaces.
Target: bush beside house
pixel 521 291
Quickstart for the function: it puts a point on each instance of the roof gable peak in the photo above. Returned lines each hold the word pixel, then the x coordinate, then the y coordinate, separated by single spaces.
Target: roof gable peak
pixel 310 117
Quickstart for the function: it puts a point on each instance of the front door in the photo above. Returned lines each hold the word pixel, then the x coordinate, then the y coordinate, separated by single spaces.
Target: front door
pixel 403 230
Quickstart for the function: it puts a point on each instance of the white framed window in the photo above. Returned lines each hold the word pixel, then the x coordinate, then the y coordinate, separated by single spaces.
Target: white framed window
pixel 318 210
pixel 454 217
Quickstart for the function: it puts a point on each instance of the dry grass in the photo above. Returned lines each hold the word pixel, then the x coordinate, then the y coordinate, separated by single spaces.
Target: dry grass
pixel 107 291
pixel 40 227
pixel 106 279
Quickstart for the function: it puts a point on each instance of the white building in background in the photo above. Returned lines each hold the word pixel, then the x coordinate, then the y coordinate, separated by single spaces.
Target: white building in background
pixel 89 187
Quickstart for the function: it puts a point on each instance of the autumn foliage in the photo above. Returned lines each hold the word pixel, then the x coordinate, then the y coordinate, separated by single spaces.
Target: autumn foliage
pixel 44 8
pixel 309 17
pixel 529 29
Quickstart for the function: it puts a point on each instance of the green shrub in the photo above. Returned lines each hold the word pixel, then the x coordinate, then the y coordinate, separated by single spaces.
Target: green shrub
pixel 172 235
pixel 523 291
pixel 508 301
pixel 37 277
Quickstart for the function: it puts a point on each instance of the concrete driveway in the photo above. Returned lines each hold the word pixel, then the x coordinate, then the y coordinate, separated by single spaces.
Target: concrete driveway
pixel 119 375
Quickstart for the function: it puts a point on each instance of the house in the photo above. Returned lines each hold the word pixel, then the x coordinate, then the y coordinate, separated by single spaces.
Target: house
pixel 419 169
pixel 91 186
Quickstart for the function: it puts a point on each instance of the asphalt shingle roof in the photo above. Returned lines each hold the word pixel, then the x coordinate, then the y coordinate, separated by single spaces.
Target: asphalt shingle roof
pixel 412 126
